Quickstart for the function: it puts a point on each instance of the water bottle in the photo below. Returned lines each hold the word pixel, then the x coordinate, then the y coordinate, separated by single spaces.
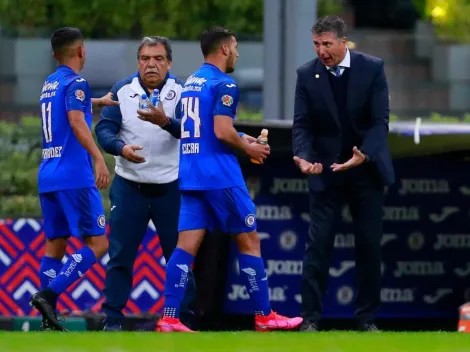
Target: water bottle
pixel 155 97
pixel 144 102
pixel 262 139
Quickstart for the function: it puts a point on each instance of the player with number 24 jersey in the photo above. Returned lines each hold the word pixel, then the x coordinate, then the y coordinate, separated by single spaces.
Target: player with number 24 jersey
pixel 205 162
pixel 213 191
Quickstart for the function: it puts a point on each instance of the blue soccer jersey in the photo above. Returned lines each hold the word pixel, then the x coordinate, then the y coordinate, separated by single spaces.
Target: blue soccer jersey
pixel 65 162
pixel 213 190
pixel 205 162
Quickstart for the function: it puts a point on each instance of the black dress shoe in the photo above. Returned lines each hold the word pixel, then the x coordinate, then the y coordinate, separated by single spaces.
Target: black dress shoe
pixel 308 326
pixel 47 326
pixel 370 327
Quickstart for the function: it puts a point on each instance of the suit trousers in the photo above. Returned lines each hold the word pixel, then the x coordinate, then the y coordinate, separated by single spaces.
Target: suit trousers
pixel 365 196
pixel 133 205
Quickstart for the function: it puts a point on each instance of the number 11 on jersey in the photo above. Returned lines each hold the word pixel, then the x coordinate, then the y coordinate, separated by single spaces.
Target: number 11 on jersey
pixel 46 114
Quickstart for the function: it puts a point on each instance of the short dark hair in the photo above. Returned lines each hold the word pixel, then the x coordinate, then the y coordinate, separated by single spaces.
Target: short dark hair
pixel 63 37
pixel 333 24
pixel 156 40
pixel 212 38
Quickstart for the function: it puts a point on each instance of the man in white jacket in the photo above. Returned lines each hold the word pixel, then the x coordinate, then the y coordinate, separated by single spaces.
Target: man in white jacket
pixel 146 183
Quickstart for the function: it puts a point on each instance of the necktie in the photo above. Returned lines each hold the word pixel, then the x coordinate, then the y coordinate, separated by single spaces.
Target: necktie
pixel 336 70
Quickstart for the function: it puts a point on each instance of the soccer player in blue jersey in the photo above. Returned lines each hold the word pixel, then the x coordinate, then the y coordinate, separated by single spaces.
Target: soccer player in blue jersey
pixel 213 190
pixel 68 191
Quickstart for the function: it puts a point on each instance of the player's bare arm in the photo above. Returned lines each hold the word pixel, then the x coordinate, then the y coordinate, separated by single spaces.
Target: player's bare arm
pixel 84 136
pixel 225 132
pixel 106 100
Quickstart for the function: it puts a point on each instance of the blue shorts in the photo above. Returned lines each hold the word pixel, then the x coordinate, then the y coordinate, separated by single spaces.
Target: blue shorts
pixel 230 210
pixel 73 212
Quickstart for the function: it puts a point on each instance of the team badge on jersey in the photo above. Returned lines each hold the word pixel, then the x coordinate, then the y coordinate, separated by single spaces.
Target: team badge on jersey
pixel 171 95
pixel 250 220
pixel 80 95
pixel 101 221
pixel 227 100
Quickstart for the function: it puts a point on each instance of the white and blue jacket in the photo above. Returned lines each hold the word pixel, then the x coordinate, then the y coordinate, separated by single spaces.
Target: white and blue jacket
pixel 119 125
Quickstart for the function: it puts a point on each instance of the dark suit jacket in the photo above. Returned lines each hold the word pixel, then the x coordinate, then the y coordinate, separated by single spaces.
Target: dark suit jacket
pixel 316 130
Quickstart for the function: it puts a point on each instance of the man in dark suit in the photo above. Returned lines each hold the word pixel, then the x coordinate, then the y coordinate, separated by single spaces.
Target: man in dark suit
pixel 339 135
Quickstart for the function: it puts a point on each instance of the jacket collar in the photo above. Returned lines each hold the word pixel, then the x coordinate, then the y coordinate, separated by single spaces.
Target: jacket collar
pixel 138 85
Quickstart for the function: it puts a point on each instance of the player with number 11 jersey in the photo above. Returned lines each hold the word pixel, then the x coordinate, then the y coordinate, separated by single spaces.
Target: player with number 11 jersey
pixel 70 201
pixel 65 163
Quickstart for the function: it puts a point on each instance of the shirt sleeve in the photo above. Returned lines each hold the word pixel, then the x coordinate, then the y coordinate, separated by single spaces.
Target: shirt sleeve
pixel 174 127
pixel 226 99
pixel 76 95
pixel 178 110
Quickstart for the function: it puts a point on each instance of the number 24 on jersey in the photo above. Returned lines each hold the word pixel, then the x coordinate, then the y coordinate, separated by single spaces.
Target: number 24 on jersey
pixel 190 107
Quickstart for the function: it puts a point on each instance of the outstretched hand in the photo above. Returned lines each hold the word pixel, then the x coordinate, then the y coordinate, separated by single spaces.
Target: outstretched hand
pixel 308 168
pixel 106 100
pixel 357 159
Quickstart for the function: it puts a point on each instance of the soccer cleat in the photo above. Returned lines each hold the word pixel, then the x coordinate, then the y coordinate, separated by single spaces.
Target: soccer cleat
pixel 276 321
pixel 167 324
pixel 48 313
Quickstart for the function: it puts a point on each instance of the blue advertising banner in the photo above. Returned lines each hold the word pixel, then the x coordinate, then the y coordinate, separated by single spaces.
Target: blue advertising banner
pixel 425 244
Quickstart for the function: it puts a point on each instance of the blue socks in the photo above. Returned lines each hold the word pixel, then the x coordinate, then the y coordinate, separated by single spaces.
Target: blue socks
pixel 176 279
pixel 49 269
pixel 256 282
pixel 75 267
pixel 251 268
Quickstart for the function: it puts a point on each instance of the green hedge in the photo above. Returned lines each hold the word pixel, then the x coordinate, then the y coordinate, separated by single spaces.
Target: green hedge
pixel 177 19
pixel 20 153
pixel 451 19
pixel 420 6
pixel 20 156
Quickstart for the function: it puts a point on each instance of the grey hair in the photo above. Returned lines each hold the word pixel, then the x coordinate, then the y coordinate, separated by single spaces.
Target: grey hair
pixel 156 40
pixel 332 24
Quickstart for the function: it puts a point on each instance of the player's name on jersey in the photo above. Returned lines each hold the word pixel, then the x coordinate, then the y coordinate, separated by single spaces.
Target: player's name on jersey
pixel 53 152
pixel 190 148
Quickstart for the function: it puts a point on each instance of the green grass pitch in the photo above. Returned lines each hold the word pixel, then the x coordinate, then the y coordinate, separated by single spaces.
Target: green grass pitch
pixel 234 342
